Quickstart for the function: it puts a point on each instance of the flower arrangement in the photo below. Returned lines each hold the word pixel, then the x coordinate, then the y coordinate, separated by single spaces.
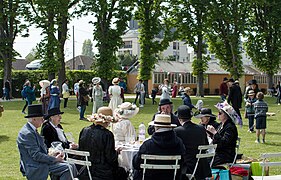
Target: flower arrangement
pixel 101 118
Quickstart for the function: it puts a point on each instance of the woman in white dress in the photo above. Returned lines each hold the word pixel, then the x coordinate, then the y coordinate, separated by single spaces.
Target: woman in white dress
pixel 97 94
pixel 124 130
pixel 165 90
pixel 115 94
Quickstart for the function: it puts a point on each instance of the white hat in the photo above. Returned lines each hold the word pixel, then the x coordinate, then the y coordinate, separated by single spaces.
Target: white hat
pixel 115 80
pixel 96 80
pixel 44 83
pixel 126 110
pixel 162 120
pixel 228 109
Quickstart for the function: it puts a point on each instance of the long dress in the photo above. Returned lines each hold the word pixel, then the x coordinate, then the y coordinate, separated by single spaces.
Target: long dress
pixel 165 93
pixel 115 92
pixel 55 99
pixel 97 95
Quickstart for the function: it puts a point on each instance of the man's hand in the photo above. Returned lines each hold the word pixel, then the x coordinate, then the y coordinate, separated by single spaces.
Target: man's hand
pixel 59 157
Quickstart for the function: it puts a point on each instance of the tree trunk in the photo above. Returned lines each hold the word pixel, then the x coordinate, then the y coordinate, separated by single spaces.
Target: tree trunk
pixel 200 75
pixel 269 79
pixel 145 82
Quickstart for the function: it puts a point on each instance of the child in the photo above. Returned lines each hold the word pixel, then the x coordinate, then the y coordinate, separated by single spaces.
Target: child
pixel 260 115
pixel 250 111
pixel 153 95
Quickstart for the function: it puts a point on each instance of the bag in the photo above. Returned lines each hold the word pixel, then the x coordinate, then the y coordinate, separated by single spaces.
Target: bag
pixel 86 98
pixel 221 174
pixel 65 95
pixel 23 93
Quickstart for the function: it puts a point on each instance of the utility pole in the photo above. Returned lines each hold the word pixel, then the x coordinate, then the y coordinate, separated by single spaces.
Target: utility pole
pixel 73 59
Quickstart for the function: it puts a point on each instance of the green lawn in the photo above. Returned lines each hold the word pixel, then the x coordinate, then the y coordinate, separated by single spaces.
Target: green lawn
pixel 12 120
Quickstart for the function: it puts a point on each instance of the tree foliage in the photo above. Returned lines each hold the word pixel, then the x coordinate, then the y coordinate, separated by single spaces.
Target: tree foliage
pixel 87 48
pixel 190 19
pixel 227 22
pixel 263 43
pixel 111 18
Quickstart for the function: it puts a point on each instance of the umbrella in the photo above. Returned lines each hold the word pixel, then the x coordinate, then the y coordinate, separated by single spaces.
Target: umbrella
pixel 44 83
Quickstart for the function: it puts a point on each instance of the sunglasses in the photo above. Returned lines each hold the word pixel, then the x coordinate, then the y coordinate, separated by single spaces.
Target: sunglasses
pixel 220 113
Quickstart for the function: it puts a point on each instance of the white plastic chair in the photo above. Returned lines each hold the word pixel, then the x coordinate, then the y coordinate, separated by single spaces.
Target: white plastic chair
pixel 265 163
pixel 146 165
pixel 236 151
pixel 84 163
pixel 205 151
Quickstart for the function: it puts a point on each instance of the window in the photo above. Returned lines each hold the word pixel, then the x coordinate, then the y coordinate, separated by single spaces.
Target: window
pixel 184 78
pixel 176 45
pixel 127 44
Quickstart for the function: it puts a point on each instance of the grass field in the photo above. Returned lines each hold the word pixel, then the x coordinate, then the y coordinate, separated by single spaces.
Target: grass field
pixel 12 121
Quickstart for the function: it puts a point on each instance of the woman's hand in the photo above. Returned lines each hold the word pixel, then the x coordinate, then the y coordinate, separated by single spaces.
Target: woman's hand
pixel 211 129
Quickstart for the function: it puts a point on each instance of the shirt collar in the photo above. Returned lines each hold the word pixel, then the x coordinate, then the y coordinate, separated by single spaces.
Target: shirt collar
pixel 32 126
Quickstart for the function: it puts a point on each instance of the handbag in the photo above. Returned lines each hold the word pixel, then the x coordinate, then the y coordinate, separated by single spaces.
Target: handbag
pixel 86 98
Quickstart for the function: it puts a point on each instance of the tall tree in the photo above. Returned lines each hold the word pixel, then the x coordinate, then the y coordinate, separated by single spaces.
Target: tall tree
pixel 190 19
pixel 87 48
pixel 11 11
pixel 111 21
pixel 151 17
pixel 227 22
pixel 263 43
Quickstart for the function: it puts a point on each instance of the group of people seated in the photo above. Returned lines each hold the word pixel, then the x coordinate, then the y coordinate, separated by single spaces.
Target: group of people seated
pixel 171 134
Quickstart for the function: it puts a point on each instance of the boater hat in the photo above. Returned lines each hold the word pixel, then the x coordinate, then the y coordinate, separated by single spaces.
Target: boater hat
pixel 162 120
pixel 251 93
pixel 96 80
pixel 52 112
pixel 35 111
pixel 115 81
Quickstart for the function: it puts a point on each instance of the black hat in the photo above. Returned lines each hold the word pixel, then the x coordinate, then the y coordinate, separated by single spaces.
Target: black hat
pixel 225 79
pixel 52 112
pixel 34 111
pixel 231 80
pixel 165 101
pixel 184 112
pixel 205 112
pixel 252 81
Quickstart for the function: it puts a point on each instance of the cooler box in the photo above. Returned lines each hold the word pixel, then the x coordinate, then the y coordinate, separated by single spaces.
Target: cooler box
pixel 223 174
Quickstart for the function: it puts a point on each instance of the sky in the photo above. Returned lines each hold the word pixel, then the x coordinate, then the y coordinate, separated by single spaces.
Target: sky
pixel 82 31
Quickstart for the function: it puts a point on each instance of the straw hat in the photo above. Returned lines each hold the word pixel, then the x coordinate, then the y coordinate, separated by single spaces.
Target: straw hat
pixel 251 93
pixel 81 82
pixel 187 89
pixel 162 120
pixel 126 110
pixel 96 80
pixel 104 115
pixel 115 81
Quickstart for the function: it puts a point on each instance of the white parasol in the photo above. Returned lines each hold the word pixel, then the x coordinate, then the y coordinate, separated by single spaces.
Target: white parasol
pixel 44 83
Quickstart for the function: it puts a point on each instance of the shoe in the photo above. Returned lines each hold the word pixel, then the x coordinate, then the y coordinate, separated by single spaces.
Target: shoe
pixel 257 141
pixel 141 105
pixel 263 141
pixel 83 119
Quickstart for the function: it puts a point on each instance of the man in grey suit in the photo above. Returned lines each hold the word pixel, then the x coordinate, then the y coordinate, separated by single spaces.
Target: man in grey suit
pixel 35 163
pixel 192 136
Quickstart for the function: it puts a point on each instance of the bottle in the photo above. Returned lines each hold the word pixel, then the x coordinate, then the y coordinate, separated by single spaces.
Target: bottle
pixel 141 133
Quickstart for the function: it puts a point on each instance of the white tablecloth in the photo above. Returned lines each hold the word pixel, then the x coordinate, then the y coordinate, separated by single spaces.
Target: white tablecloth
pixel 126 156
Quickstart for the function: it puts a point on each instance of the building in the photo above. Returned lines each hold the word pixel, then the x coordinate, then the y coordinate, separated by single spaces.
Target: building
pixel 81 62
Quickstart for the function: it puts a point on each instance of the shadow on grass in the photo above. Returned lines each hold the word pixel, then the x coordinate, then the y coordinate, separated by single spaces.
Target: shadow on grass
pixel 4 138
pixel 273 143
pixel 274 133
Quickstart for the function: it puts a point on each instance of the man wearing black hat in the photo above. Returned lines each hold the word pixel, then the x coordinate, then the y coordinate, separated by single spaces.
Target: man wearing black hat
pixel 165 107
pixel 35 163
pixel 192 136
pixel 235 96
pixel 224 89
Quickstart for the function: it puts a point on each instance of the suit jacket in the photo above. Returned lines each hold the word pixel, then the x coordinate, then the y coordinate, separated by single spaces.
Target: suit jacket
pixel 235 96
pixel 50 135
pixel 192 136
pixel 34 158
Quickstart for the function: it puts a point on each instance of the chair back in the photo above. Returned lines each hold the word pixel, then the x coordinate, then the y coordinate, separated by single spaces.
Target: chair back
pixel 265 163
pixel 147 165
pixel 85 162
pixel 205 151
pixel 236 151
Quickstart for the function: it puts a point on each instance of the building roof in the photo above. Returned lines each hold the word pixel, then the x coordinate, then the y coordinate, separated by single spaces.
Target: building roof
pixel 80 61
pixel 19 64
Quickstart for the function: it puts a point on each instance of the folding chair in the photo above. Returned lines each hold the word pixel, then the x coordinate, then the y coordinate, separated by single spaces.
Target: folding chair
pixel 174 166
pixel 236 151
pixel 83 162
pixel 205 151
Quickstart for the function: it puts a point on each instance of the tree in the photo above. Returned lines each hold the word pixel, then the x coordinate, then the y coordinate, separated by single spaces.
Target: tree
pixel 87 48
pixel 263 37
pixel 150 15
pixel 227 22
pixel 11 11
pixel 190 20
pixel 126 59
pixel 32 55
pixel 111 22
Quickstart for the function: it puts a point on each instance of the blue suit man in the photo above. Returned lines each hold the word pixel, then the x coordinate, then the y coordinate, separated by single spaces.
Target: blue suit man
pixel 35 163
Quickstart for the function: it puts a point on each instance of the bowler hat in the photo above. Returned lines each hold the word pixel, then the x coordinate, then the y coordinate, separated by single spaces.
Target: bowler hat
pixel 52 112
pixel 184 112
pixel 252 81
pixel 205 112
pixel 225 79
pixel 165 101
pixel 231 80
pixel 34 111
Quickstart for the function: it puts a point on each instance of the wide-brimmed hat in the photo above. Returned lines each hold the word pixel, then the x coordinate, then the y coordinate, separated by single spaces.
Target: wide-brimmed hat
pixel 205 112
pixel 187 89
pixel 184 112
pixel 126 110
pixel 81 82
pixel 162 120
pixel 115 80
pixel 35 111
pixel 96 80
pixel 53 81
pixel 251 93
pixel 104 115
pixel 165 101
pixel 52 112
pixel 229 110
pixel 44 83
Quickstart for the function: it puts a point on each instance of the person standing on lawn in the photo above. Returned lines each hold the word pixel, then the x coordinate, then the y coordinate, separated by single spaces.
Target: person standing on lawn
pixel 260 115
pixel 250 111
